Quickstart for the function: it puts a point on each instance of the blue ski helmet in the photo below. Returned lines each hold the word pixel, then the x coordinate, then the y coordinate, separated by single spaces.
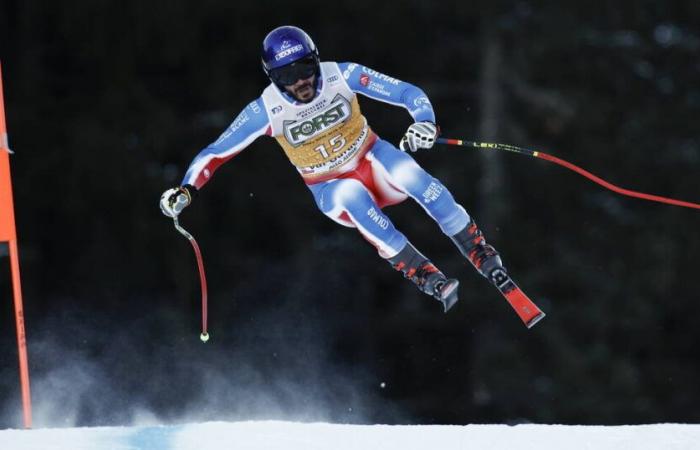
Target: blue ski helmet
pixel 288 54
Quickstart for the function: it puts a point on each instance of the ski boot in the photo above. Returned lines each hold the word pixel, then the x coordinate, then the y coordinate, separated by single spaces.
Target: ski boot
pixel 471 243
pixel 426 276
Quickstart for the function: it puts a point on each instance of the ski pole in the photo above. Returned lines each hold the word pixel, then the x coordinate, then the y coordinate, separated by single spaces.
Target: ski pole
pixel 570 166
pixel 202 277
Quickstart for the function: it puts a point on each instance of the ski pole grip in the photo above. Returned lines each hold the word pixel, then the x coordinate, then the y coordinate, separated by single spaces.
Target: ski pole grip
pixel 180 203
pixel 181 200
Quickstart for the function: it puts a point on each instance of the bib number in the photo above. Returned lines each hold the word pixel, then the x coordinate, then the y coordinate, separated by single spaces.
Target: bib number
pixel 332 146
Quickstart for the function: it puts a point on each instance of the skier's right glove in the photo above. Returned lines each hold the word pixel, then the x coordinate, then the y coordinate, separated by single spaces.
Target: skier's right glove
pixel 174 200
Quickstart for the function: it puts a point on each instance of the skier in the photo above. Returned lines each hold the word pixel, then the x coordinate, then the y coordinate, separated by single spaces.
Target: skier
pixel 311 109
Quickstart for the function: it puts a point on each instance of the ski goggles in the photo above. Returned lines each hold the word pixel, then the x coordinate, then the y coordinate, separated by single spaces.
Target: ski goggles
pixel 291 73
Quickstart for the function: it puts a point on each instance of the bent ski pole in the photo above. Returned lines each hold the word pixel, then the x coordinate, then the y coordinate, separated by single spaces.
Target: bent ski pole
pixel 570 166
pixel 202 277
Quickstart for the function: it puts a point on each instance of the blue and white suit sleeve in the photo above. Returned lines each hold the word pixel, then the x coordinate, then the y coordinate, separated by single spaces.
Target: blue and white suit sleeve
pixel 376 85
pixel 250 124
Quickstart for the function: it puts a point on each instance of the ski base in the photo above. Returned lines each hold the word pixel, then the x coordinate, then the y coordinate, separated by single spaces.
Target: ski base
pixel 526 309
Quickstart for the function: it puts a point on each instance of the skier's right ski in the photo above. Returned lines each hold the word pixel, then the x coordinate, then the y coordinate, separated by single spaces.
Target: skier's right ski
pixel 528 312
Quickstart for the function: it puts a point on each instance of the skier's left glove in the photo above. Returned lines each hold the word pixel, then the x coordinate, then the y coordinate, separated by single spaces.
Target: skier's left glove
pixel 174 200
pixel 419 135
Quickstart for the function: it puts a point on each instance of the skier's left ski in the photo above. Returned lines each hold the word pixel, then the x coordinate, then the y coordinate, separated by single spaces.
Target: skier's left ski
pixel 528 312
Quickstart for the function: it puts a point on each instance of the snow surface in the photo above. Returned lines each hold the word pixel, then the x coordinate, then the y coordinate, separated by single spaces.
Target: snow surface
pixel 273 435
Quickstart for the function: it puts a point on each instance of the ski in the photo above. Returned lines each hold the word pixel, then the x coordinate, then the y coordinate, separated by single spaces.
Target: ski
pixel 526 309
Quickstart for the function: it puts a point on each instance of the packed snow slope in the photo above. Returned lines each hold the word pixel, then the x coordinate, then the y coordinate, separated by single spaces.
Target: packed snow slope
pixel 307 436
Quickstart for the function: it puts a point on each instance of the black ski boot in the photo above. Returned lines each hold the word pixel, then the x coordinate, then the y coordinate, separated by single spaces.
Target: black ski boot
pixel 426 276
pixel 484 257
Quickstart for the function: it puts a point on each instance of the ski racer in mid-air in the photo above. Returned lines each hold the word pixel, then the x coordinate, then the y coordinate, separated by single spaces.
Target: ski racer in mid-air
pixel 311 109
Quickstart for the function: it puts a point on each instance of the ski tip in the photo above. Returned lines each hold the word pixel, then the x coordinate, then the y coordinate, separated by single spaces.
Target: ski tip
pixel 532 322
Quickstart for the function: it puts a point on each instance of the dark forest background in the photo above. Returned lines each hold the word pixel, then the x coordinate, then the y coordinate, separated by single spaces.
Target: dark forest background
pixel 107 103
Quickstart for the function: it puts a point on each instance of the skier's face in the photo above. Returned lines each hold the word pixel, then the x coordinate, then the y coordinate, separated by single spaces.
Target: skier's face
pixel 303 89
